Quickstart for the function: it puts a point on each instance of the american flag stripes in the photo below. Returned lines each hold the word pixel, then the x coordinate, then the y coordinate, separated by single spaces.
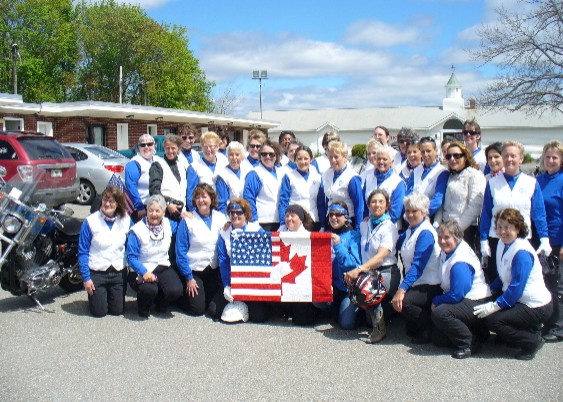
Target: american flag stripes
pixel 116 181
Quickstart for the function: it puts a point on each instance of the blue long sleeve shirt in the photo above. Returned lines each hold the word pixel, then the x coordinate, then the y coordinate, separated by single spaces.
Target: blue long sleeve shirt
pixel 347 256
pixel 461 281
pixel 355 192
pixel 183 245
pixel 252 187
pixel 423 249
pixel 537 210
pixel 522 265
pixel 193 181
pixel 396 197
pixel 552 191
pixel 133 249
pixel 223 190
pixel 132 176
pixel 285 196
pixel 439 191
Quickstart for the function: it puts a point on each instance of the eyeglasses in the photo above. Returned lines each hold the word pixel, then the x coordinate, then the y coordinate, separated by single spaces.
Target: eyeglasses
pixel 456 156
pixel 146 144
pixel 188 137
pixel 108 201
pixel 268 154
pixel 254 146
pixel 335 215
pixel 237 212
pixel 469 132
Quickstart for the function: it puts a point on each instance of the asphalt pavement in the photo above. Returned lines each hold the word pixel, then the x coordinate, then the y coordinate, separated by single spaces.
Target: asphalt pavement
pixel 63 354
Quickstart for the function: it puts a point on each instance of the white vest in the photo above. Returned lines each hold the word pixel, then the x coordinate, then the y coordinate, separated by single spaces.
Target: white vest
pixel 389 184
pixel 226 234
pixel 338 190
pixel 428 185
pixel 431 273
pixel 143 183
pixel 268 197
pixel 234 184
pixel 463 253
pixel 323 163
pixel 108 245
pixel 520 197
pixel 153 252
pixel 205 174
pixel 203 240
pixel 535 293
pixel 383 235
pixel 170 186
pixel 304 192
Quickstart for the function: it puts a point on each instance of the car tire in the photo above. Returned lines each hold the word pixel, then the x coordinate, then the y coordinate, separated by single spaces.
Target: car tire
pixel 86 194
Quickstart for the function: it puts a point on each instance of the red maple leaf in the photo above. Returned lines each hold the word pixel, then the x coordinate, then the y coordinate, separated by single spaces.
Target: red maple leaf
pixel 297 264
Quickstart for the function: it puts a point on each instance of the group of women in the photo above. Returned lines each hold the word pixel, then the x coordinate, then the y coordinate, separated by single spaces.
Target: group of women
pixel 427 216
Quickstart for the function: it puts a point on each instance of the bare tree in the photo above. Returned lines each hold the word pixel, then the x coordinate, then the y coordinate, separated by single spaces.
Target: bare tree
pixel 527 45
pixel 226 103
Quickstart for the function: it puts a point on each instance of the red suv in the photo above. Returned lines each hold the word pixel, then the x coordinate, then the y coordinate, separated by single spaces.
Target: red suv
pixel 31 157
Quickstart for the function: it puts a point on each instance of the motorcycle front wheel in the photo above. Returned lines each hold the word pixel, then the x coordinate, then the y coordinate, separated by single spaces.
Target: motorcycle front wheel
pixel 71 283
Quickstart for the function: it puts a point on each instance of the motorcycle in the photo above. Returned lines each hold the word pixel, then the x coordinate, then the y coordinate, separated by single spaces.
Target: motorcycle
pixel 38 245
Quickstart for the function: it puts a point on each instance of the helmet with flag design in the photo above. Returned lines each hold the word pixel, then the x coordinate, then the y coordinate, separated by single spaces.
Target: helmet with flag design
pixel 367 290
pixel 235 311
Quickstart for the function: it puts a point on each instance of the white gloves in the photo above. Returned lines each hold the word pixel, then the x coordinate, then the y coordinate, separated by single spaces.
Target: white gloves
pixel 544 247
pixel 485 249
pixel 227 294
pixel 486 309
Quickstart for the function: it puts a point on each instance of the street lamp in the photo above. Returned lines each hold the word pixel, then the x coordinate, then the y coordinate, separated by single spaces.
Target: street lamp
pixel 260 75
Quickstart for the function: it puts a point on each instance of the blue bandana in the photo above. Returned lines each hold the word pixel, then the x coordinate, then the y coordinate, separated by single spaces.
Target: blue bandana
pixel 341 210
pixel 376 221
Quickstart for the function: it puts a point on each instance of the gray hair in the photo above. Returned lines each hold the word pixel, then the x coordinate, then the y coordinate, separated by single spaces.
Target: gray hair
pixel 157 199
pixel 385 149
pixel 452 227
pixel 145 137
pixel 175 139
pixel 235 145
pixel 417 201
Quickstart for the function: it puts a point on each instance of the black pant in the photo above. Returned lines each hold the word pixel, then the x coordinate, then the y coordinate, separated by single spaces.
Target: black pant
pixel 554 283
pixel 456 321
pixel 164 291
pixel 491 271
pixel 416 309
pixel 520 324
pixel 109 296
pixel 391 280
pixel 209 283
pixel 471 237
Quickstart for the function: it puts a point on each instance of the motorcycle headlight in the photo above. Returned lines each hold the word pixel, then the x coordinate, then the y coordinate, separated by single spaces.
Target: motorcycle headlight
pixel 11 224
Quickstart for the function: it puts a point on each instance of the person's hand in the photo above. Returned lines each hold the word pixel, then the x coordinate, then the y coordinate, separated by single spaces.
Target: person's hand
pixel 432 307
pixel 141 213
pixel 188 214
pixel 335 238
pixel 485 249
pixel 90 288
pixel 226 226
pixel 350 276
pixel 544 247
pixel 486 309
pixel 149 277
pixel 191 288
pixel 398 300
pixel 173 209
pixel 227 294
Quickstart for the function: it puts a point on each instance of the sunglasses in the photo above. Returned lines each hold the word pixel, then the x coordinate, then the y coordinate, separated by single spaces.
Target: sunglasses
pixel 403 141
pixel 237 212
pixel 335 215
pixel 268 154
pixel 146 144
pixel 255 146
pixel 188 137
pixel 456 156
pixel 469 132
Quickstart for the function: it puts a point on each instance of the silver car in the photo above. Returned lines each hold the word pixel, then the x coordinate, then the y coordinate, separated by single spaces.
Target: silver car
pixel 95 166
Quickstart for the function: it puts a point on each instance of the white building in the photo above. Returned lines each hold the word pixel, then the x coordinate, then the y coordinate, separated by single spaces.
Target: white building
pixel 356 125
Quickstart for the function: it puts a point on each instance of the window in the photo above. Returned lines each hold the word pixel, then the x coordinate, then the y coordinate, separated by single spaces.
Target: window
pixel 45 127
pixel 122 136
pixel 7 151
pixel 152 129
pixel 96 135
pixel 13 124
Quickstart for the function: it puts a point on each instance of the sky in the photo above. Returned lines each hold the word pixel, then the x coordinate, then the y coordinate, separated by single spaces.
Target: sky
pixel 333 54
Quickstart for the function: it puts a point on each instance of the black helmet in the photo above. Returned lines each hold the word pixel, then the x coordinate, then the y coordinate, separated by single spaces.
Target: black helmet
pixel 367 290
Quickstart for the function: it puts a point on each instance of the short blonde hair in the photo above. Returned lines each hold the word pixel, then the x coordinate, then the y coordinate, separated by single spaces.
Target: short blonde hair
pixel 338 147
pixel 554 144
pixel 210 136
pixel 512 143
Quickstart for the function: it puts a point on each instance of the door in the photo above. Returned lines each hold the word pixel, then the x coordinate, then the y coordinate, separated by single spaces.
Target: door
pixel 122 136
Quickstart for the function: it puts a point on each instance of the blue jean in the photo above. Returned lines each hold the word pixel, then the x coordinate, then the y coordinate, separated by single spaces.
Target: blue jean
pixel 348 313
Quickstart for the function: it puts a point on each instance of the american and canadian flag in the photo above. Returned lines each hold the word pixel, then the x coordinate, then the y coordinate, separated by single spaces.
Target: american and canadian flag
pixel 281 267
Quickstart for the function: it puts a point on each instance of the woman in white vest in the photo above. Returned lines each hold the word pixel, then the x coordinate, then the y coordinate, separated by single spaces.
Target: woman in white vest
pixel 464 286
pixel 512 189
pixel 262 187
pixel 239 213
pixel 137 175
pixel 384 177
pixel 419 252
pixel 173 178
pixel 414 159
pixel 212 162
pixel 342 183
pixel 464 193
pixel 230 180
pixel 379 237
pixel 493 153
pixel 525 303
pixel 321 162
pixel 196 251
pixel 148 245
pixel 303 186
pixel 101 254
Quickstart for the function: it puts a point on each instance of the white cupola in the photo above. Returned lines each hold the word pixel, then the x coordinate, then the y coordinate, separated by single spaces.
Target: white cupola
pixel 453 99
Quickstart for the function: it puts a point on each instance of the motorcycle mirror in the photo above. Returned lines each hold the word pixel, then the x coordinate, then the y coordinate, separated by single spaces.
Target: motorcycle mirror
pixel 68 211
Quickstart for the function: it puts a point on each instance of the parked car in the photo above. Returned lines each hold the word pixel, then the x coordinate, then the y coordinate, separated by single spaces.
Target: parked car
pixel 96 164
pixel 41 164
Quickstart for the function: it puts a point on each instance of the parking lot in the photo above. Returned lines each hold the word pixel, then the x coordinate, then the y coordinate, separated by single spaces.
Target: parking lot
pixel 63 354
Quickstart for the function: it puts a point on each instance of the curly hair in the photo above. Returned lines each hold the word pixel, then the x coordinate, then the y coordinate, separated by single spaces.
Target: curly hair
pixel 514 217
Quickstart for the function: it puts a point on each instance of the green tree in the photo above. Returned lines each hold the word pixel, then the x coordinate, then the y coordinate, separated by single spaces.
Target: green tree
pixel 158 67
pixel 45 34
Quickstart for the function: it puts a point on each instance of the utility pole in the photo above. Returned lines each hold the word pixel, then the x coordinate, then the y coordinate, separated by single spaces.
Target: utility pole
pixel 15 56
pixel 260 75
